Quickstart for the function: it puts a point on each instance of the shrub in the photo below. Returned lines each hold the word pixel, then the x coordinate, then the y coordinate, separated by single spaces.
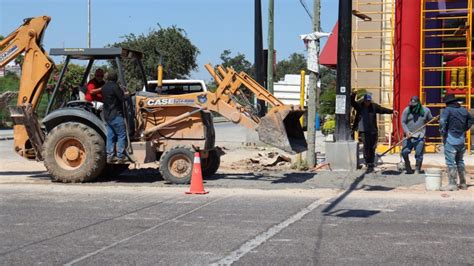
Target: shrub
pixel 329 126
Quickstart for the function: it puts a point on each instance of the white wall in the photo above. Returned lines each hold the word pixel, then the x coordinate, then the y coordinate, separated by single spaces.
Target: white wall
pixel 288 89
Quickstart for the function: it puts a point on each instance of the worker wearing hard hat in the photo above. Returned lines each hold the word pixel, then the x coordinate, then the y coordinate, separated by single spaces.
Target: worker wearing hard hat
pixel 414 117
pixel 366 124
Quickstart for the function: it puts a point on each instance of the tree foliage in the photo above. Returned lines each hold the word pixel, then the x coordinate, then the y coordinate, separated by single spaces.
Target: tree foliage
pixel 293 65
pixel 328 78
pixel 72 77
pixel 238 63
pixel 178 53
pixel 327 100
pixel 9 82
pixel 69 84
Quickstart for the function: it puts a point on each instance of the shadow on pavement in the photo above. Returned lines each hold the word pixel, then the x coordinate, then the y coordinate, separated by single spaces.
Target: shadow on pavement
pixel 391 172
pixel 376 188
pixel 31 173
pixel 133 176
pixel 352 213
pixel 353 187
pixel 286 178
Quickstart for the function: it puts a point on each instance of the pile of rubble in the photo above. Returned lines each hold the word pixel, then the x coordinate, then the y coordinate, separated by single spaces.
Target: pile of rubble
pixel 264 161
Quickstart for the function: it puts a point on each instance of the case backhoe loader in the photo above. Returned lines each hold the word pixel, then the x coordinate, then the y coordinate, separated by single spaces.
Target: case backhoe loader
pixel 165 128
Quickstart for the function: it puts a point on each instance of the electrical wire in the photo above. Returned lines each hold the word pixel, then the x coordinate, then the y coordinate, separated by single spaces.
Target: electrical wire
pixel 303 4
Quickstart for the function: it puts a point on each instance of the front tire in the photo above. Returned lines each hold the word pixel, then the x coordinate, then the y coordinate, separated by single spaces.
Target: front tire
pixel 74 153
pixel 211 164
pixel 176 165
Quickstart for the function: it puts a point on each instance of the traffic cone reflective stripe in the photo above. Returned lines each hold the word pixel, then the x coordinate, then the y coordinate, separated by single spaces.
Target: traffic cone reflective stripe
pixel 197 186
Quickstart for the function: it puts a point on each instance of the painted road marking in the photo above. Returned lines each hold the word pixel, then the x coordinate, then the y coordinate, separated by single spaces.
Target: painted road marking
pixel 88 255
pixel 260 239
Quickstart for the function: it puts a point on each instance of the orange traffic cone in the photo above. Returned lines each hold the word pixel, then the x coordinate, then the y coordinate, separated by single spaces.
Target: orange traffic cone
pixel 197 186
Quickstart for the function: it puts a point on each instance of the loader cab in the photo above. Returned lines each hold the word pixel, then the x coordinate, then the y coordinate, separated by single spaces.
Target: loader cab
pixel 176 86
pixel 67 89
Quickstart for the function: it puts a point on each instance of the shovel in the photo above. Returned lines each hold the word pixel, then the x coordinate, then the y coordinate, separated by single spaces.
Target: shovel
pixel 281 128
pixel 378 157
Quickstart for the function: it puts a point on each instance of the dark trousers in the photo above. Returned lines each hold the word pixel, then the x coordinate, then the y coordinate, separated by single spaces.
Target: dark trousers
pixel 370 143
pixel 116 134
pixel 414 143
pixel 454 155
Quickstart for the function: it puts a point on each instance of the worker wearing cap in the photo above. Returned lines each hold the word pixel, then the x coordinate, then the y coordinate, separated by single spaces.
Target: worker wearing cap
pixel 366 124
pixel 414 117
pixel 453 124
pixel 94 88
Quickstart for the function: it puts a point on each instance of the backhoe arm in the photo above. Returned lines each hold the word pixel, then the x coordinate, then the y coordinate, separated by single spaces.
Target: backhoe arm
pixel 232 99
pixel 37 66
pixel 35 72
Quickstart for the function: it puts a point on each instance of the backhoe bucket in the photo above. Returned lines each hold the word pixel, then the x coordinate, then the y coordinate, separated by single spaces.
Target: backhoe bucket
pixel 281 128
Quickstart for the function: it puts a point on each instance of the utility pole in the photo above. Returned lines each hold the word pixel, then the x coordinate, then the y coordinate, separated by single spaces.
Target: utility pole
pixel 258 52
pixel 271 52
pixel 343 87
pixel 88 23
pixel 313 93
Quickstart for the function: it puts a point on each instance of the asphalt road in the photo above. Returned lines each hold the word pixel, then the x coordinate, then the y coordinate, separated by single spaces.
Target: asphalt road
pixel 64 224
pixel 276 218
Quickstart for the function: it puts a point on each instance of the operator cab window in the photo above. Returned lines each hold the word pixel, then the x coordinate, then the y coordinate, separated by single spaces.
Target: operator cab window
pixel 176 89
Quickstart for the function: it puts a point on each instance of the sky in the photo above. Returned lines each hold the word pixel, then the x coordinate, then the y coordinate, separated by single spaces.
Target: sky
pixel 212 25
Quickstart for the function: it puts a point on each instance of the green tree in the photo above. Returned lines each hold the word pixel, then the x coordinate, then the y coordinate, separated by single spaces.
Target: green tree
pixel 293 65
pixel 69 83
pixel 9 82
pixel 328 78
pixel 238 63
pixel 179 54
pixel 327 102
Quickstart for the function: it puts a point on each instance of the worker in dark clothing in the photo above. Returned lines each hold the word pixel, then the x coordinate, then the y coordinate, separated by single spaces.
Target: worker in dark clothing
pixel 366 124
pixel 113 97
pixel 414 117
pixel 454 122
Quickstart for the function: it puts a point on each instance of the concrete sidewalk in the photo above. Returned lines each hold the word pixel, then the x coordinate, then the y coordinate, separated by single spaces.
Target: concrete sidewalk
pixel 6 134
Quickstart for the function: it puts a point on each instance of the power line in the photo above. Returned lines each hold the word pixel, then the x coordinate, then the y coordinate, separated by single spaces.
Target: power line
pixel 303 4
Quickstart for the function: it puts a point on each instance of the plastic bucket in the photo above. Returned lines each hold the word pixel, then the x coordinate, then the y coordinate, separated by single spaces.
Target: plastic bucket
pixel 433 179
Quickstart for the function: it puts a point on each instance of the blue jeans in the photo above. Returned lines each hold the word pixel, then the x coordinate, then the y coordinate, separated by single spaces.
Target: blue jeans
pixel 116 134
pixel 453 154
pixel 414 143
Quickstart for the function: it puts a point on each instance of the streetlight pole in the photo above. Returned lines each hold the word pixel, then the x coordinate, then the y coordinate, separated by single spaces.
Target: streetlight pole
pixel 89 23
pixel 270 61
pixel 344 153
pixel 313 96
pixel 258 52
pixel 343 88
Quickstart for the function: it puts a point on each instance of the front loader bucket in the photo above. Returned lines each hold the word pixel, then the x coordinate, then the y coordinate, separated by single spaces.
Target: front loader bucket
pixel 281 128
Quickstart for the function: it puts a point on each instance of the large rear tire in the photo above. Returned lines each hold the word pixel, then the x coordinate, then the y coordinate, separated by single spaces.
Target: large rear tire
pixel 176 165
pixel 73 153
pixel 211 164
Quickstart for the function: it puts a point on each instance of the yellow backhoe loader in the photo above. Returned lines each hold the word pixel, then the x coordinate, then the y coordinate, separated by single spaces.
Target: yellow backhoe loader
pixel 166 128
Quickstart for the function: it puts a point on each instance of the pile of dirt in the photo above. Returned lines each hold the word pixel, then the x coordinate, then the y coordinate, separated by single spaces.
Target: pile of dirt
pixel 264 161
pixel 5 98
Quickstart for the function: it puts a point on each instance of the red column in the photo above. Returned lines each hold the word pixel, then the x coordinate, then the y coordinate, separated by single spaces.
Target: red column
pixel 407 54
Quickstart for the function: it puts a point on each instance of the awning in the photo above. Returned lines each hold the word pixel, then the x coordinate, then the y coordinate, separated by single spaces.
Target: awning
pixel 328 56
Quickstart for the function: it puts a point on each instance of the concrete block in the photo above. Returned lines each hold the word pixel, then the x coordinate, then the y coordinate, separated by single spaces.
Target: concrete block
pixel 342 155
